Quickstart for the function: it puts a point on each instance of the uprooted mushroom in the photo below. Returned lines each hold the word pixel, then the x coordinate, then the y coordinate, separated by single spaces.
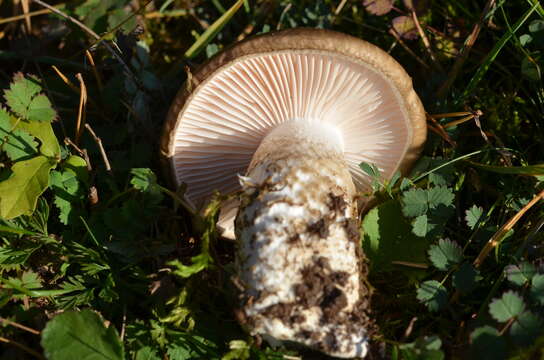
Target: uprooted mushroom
pixel 288 117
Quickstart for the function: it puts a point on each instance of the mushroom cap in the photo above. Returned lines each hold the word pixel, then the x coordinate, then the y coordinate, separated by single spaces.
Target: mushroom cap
pixel 218 119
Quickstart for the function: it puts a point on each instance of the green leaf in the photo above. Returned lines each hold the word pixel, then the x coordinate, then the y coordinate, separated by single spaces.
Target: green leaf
pixel 432 294
pixel 82 333
pixel 204 259
pixel 445 254
pixel 147 353
pixel 421 226
pixel 473 215
pixel 17 144
pixel 506 307
pixel 24 99
pixel 212 31
pixel 520 275
pixel 68 194
pixel 44 132
pixel 13 258
pixel 384 243
pixel 424 348
pixel 415 203
pixel 537 288
pixel 78 166
pixel 239 350
pixel 487 344
pixel 526 328
pixel 465 278
pixel 20 192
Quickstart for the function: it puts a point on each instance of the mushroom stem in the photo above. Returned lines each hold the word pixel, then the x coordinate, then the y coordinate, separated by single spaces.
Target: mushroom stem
pixel 299 254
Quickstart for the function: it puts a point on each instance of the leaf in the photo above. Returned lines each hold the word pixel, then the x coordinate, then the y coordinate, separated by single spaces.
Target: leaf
pixel 445 254
pixel 506 307
pixel 424 348
pixel 68 193
pixel 432 294
pixel 378 7
pixel 17 144
pixel 24 99
pixel 431 207
pixel 520 275
pixel 78 166
pixel 82 333
pixel 212 31
pixel 405 27
pixel 147 353
pixel 20 192
pixel 537 288
pixel 239 350
pixel 384 243
pixel 13 258
pixel 487 344
pixel 465 278
pixel 44 132
pixel 526 328
pixel 473 215
pixel 204 259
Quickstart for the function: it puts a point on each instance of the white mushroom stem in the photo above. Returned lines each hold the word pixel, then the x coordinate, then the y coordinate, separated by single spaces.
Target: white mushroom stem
pixel 299 256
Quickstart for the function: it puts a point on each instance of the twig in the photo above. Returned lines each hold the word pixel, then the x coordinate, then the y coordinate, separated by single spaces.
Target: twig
pixel 26 10
pixel 81 108
pixel 123 325
pixel 17 325
pixel 405 47
pixel 499 235
pixel 340 7
pixel 437 128
pixel 22 347
pixel 426 41
pixel 82 152
pixel 101 147
pixel 24 16
pixel 95 70
pixel 94 35
pixel 463 55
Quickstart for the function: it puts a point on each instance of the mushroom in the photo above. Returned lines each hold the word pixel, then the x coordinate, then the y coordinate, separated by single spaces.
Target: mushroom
pixel 296 112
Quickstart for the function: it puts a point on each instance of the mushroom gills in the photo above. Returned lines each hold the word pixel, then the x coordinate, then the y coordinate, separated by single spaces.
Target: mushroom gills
pixel 299 257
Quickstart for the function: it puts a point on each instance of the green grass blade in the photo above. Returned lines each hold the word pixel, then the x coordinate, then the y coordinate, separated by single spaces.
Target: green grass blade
pixel 482 70
pixel 212 31
pixel 539 8
pixel 513 170
pixel 12 230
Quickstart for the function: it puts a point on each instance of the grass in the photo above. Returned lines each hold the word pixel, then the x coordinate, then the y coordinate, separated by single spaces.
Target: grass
pixel 106 234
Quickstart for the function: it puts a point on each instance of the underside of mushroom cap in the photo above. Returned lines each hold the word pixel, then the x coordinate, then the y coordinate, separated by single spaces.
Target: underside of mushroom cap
pixel 219 119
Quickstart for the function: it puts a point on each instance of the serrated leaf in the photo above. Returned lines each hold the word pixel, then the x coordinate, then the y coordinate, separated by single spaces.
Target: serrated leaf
pixel 78 166
pixel 16 143
pixel 143 179
pixel 24 99
pixel 415 203
pixel 465 278
pixel 384 243
pixel 506 307
pixel 487 344
pixel 432 294
pixel 520 275
pixel 473 215
pixel 147 353
pixel 421 226
pixel 526 328
pixel 68 193
pixel 82 333
pixel 445 254
pixel 20 192
pixel 537 288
